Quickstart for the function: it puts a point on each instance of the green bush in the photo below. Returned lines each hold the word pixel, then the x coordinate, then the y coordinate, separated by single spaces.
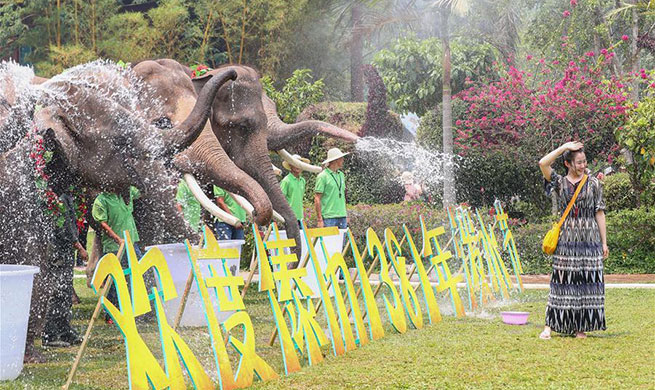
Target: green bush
pixel 618 192
pixel 630 240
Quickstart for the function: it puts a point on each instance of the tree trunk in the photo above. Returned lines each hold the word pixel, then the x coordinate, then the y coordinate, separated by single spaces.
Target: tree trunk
pixel 448 175
pixel 356 47
pixel 634 53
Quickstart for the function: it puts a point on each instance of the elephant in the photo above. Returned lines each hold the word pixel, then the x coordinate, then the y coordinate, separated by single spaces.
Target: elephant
pixel 97 132
pixel 245 122
pixel 205 159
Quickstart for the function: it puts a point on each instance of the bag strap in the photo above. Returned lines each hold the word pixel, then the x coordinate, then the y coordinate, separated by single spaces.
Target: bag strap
pixel 575 196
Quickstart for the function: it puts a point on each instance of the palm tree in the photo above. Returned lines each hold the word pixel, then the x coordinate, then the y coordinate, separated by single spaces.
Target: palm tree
pixel 445 8
pixel 363 19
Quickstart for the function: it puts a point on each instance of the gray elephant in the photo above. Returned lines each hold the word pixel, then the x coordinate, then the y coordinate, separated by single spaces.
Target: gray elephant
pixel 246 124
pixel 98 135
pixel 205 160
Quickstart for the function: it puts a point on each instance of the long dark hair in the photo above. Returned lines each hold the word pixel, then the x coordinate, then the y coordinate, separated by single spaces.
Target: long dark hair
pixel 569 156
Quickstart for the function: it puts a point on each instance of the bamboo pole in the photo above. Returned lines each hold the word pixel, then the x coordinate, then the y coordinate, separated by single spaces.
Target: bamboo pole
pixel 87 334
pixel 253 262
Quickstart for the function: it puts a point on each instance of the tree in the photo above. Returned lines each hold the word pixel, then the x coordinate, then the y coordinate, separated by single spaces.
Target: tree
pixel 412 70
pixel 363 19
pixel 445 8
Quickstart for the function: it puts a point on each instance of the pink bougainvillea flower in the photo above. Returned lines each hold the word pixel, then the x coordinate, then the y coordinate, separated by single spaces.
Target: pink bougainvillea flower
pixel 528 57
pixel 566 14
pixel 574 3
pixel 625 37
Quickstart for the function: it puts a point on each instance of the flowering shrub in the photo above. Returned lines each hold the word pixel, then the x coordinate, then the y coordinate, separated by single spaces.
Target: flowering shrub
pixel 54 207
pixel 555 101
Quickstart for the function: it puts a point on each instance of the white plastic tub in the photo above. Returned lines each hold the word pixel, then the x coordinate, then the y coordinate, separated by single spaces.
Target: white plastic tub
pixel 15 297
pixel 179 266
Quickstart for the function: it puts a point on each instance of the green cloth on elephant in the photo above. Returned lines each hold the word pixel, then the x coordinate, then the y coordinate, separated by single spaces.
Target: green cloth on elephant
pixel 111 208
pixel 190 205
pixel 332 186
pixel 293 189
pixel 231 204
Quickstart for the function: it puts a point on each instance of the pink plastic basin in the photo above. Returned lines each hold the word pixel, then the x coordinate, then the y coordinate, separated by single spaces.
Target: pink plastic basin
pixel 514 317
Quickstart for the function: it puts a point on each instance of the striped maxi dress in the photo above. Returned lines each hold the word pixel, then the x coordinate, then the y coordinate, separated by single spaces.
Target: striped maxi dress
pixel 576 302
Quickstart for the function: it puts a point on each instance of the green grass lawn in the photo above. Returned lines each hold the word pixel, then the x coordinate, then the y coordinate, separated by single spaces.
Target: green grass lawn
pixel 477 352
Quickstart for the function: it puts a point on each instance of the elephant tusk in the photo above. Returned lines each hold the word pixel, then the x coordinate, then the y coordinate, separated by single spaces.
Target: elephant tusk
pixel 277 217
pixel 206 203
pixel 297 163
pixel 243 202
pixel 276 170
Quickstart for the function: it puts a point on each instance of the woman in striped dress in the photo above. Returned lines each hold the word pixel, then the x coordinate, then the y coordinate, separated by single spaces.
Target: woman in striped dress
pixel 576 303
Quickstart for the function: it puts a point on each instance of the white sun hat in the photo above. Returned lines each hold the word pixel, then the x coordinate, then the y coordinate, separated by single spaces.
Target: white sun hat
pixel 334 154
pixel 407 178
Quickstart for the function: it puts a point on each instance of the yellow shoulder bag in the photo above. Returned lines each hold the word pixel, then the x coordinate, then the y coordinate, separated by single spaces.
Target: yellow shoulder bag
pixel 550 241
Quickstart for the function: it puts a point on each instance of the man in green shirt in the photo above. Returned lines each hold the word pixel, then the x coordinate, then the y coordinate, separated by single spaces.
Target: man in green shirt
pixel 188 205
pixel 225 231
pixel 114 214
pixel 330 192
pixel 293 187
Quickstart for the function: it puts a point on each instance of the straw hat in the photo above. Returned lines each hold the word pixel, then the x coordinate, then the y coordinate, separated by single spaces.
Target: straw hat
pixel 288 167
pixel 334 154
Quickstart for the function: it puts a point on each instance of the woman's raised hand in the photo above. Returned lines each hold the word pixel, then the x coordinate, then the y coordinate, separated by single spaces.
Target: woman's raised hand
pixel 573 145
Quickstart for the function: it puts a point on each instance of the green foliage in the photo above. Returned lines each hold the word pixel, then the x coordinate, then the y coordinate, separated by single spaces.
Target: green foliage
pixel 528 239
pixel 638 136
pixel 297 93
pixel 483 177
pixel 618 192
pixel 11 26
pixel 430 130
pixel 631 241
pixel 170 23
pixel 60 58
pixel 629 238
pixel 412 70
pixel 134 39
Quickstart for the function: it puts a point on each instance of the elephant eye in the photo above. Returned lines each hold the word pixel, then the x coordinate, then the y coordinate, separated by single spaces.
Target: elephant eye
pixel 163 123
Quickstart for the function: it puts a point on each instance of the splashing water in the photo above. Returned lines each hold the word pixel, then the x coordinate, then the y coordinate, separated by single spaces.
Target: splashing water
pixel 426 166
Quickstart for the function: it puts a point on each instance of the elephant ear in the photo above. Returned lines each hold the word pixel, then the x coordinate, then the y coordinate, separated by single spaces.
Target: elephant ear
pixel 58 136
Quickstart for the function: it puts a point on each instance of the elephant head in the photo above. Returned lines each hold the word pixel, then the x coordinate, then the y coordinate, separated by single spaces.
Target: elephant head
pixel 246 123
pixel 205 159
pixel 98 122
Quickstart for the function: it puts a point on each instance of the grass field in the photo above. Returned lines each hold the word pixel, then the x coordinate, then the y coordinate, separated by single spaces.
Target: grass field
pixel 477 352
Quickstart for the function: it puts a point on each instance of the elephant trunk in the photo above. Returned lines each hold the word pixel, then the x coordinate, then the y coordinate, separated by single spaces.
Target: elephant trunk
pixel 207 160
pixel 260 168
pixel 281 135
pixel 183 135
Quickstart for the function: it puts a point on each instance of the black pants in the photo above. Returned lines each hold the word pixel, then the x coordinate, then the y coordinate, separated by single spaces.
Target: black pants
pixel 60 301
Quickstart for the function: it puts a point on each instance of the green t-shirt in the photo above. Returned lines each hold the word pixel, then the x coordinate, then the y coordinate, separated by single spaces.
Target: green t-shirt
pixel 332 186
pixel 190 205
pixel 293 189
pixel 110 207
pixel 232 204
